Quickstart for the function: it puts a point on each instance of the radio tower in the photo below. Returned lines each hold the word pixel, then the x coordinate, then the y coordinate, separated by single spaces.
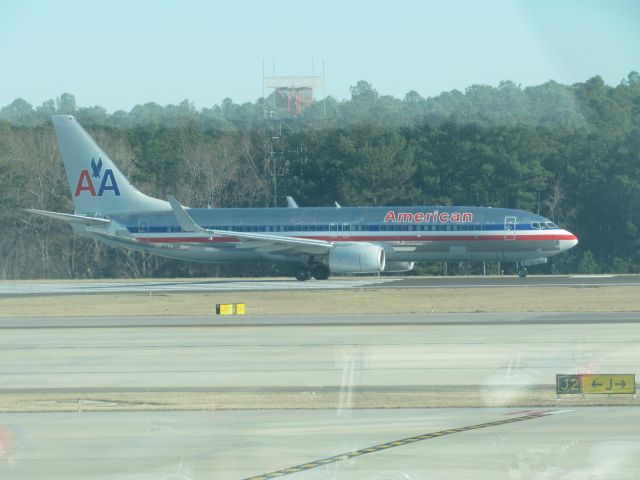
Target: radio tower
pixel 289 96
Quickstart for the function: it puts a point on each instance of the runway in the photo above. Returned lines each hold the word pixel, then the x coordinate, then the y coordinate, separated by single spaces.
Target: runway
pixel 485 361
pixel 175 286
pixel 65 287
pixel 506 281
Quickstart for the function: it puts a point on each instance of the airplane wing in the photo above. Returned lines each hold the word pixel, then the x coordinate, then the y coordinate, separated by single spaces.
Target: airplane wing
pixel 67 217
pixel 307 245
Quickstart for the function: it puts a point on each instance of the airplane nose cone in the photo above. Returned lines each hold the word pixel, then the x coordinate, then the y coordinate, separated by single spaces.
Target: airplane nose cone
pixel 569 240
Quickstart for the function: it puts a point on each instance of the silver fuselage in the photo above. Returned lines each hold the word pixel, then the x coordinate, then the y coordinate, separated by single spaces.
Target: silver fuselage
pixel 421 234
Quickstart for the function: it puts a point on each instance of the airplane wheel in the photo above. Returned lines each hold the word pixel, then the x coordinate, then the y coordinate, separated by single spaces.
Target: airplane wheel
pixel 303 273
pixel 320 272
pixel 522 272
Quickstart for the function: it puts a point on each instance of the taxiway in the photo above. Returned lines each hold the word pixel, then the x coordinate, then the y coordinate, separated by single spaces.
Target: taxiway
pixel 495 359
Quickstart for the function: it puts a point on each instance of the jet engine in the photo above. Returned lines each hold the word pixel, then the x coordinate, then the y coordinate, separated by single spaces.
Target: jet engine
pixel 356 258
pixel 396 267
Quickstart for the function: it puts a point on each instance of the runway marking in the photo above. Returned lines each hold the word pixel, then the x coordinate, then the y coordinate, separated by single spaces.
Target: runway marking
pixel 529 412
pixel 591 276
pixel 396 443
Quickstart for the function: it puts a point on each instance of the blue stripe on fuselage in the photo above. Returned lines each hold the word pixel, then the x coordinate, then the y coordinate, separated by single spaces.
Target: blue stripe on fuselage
pixel 390 227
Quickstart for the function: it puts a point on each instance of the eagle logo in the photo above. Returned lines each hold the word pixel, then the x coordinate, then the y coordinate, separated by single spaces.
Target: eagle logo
pixel 96 167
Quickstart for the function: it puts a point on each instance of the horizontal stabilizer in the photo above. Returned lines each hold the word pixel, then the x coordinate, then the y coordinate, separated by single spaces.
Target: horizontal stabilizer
pixel 70 218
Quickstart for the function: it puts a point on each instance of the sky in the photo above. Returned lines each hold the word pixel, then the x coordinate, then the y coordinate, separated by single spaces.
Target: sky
pixel 120 53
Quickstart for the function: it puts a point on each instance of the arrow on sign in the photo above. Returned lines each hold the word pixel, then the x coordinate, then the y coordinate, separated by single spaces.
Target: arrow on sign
pixel 621 384
pixel 594 384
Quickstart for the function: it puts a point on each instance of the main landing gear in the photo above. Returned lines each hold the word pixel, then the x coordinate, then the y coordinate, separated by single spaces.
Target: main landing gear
pixel 319 272
pixel 522 271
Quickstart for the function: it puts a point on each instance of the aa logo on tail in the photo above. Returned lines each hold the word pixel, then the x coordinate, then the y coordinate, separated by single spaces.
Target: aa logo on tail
pixel 106 183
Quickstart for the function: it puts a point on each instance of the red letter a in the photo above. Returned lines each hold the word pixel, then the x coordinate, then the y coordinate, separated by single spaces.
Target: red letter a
pixel 85 184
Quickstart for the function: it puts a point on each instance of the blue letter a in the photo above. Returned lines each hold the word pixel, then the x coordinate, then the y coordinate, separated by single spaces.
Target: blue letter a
pixel 108 176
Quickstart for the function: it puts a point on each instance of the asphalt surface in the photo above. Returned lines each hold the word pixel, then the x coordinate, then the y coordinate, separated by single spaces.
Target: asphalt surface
pixel 234 321
pixel 14 289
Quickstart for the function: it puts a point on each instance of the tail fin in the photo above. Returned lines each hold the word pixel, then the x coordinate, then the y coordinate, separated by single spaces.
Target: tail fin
pixel 97 185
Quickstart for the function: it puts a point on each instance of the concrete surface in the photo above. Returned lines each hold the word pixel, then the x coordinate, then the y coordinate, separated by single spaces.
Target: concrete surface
pixel 339 352
pixel 500 357
pixel 589 443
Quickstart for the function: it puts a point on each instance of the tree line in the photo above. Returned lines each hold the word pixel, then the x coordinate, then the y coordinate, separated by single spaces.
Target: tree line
pixel 568 152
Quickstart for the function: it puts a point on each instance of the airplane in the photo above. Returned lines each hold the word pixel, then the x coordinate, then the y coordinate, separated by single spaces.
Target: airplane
pixel 313 241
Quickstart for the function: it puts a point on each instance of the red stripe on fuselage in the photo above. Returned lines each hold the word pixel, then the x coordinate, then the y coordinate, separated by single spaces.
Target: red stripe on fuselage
pixel 390 238
pixel 188 239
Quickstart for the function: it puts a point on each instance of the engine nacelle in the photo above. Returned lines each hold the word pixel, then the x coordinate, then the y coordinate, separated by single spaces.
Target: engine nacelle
pixel 396 267
pixel 356 258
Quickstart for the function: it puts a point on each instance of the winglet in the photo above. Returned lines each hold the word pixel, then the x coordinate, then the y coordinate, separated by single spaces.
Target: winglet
pixel 184 219
pixel 291 203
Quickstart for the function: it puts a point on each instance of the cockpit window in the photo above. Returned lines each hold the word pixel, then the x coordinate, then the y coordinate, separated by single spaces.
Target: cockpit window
pixel 543 225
